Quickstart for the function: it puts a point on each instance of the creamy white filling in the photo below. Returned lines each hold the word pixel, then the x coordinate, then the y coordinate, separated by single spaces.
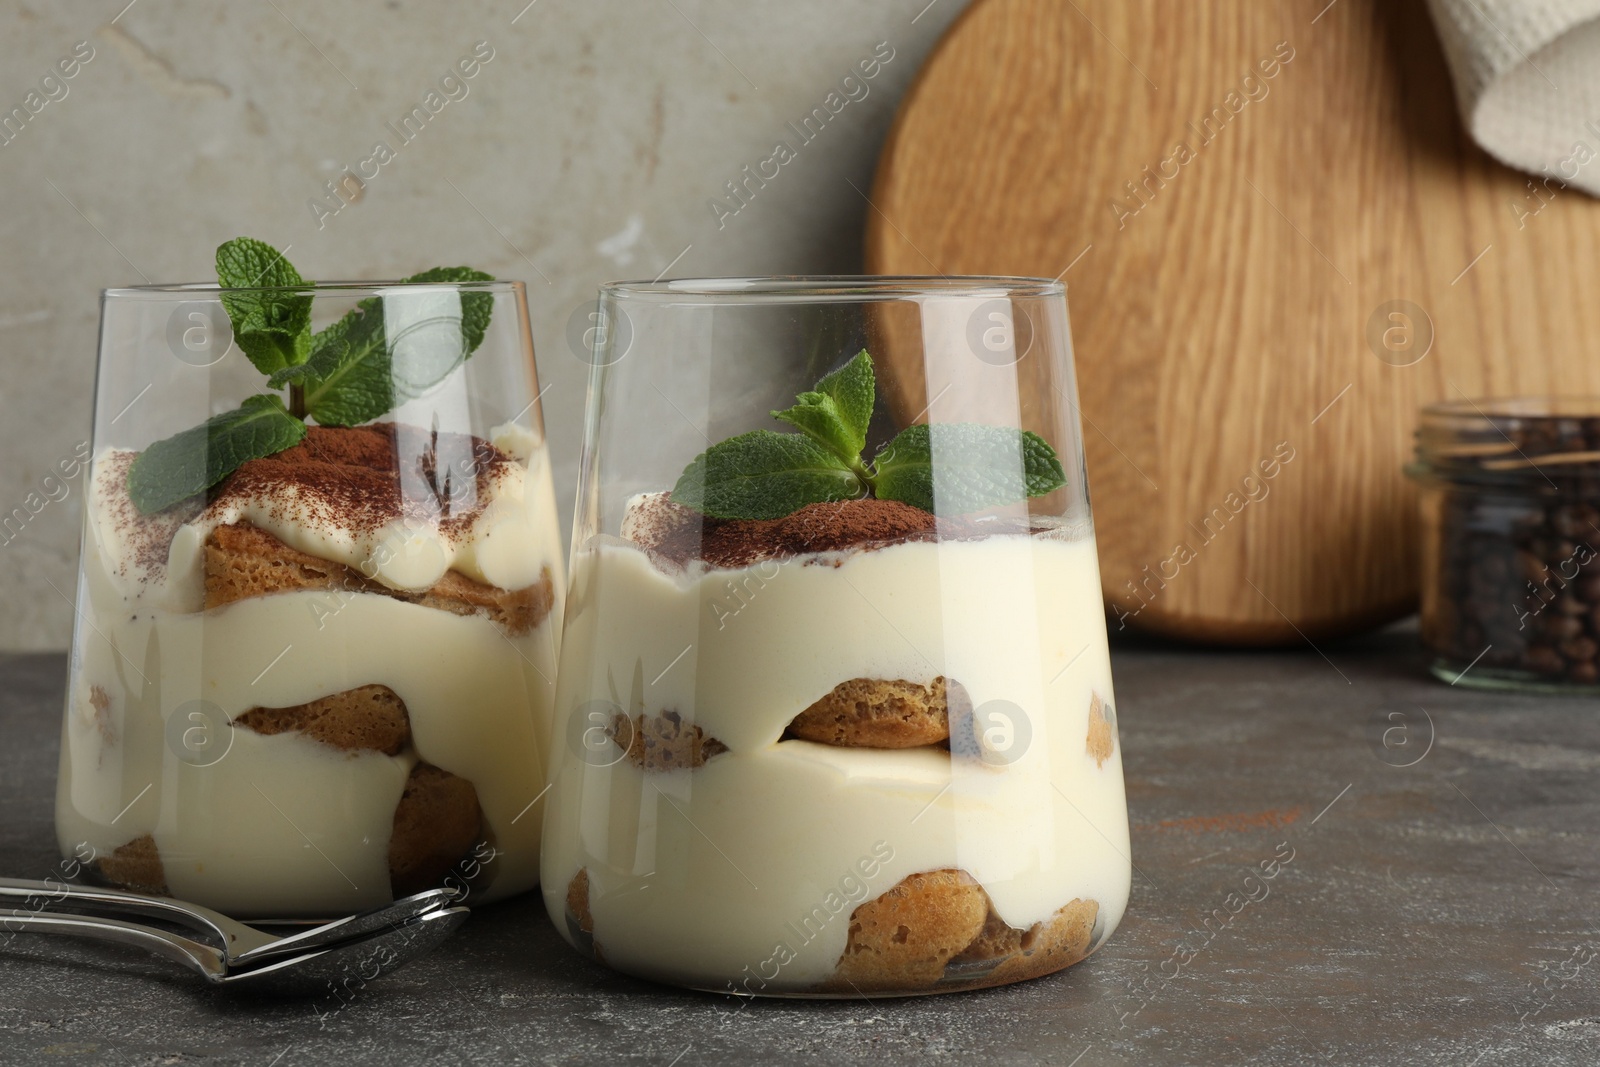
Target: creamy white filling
pixel 284 825
pixel 696 876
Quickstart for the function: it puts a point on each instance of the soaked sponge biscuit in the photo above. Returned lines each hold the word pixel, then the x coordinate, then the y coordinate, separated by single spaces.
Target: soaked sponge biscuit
pixel 243 561
pixel 436 823
pixel 904 938
pixel 878 713
pixel 939 929
pixel 580 920
pixel 136 866
pixel 366 717
pixel 663 742
pixel 578 901
pixel 1001 953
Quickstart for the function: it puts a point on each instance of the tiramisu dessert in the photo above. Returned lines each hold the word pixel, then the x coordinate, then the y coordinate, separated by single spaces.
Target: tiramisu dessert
pixel 319 678
pixel 855 737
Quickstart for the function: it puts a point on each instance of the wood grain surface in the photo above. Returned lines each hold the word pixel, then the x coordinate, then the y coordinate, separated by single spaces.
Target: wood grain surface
pixel 1237 193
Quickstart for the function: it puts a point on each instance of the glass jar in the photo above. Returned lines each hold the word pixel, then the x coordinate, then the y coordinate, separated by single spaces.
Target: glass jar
pixel 325 682
pixel 834 715
pixel 1510 496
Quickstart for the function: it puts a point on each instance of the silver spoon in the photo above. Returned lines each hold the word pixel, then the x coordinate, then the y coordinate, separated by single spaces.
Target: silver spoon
pixel 360 959
pixel 240 943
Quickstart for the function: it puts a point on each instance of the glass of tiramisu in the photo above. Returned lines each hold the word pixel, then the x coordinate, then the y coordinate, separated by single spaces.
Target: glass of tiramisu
pixel 320 594
pixel 834 715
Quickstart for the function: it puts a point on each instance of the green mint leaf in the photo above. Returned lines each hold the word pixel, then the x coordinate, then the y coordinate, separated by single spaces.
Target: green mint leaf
pixel 357 372
pixel 475 307
pixel 272 328
pixel 835 414
pixel 299 374
pixel 854 390
pixel 764 475
pixel 188 463
pixel 965 467
pixel 347 378
pixel 818 417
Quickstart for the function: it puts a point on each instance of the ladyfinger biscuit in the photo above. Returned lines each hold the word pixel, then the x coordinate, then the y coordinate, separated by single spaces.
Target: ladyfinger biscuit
pixel 1001 954
pixel 878 713
pixel 903 939
pixel 436 823
pixel 366 717
pixel 663 742
pixel 243 561
pixel 136 866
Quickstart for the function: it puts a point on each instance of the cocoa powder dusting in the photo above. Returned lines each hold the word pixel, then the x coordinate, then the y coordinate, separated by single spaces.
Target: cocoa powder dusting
pixel 361 478
pixel 148 537
pixel 676 535
pixel 358 478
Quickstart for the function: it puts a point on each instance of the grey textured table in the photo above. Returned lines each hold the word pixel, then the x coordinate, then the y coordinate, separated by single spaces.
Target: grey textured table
pixel 1438 913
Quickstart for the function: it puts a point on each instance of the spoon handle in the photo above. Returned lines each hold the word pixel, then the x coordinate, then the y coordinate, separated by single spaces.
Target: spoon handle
pixel 192 954
pixel 233 937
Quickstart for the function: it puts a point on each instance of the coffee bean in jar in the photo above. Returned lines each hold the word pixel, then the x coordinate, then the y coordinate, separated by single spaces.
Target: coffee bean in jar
pixel 1511 541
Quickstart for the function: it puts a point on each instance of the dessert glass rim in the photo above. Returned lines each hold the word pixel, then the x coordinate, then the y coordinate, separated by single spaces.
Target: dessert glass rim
pixel 354 286
pixel 834 288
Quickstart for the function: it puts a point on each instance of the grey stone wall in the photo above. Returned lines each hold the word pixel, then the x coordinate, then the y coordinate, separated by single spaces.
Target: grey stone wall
pixel 587 148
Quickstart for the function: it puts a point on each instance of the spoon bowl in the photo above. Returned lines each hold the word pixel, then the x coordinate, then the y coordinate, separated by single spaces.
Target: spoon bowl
pixel 346 966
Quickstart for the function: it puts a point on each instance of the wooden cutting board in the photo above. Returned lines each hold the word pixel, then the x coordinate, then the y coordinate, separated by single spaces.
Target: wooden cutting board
pixel 1228 303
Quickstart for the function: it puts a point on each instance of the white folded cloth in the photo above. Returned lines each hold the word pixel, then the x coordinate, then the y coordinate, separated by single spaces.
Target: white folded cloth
pixel 1527 75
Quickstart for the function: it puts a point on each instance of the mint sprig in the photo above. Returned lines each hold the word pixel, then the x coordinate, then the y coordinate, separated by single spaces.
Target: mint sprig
pixel 952 467
pixel 354 366
pixel 356 370
pixel 966 466
pixel 178 467
pixel 761 475
pixel 272 328
pixel 835 414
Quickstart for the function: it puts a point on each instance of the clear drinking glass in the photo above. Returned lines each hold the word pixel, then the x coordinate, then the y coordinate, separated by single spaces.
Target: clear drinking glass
pixel 866 747
pixel 325 682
